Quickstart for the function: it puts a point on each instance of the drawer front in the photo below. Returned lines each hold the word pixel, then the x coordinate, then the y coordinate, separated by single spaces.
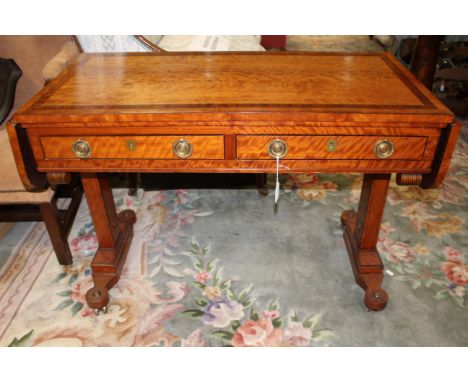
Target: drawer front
pixel 134 147
pixel 333 147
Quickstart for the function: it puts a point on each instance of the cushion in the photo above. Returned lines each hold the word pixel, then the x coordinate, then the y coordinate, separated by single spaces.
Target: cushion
pixel 154 39
pixel 12 190
pixel 210 43
pixel 111 43
pixel 60 61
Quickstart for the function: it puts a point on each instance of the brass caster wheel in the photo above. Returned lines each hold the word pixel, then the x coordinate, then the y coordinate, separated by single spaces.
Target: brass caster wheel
pixel 262 187
pixel 127 216
pixel 133 192
pixel 262 191
pixel 376 299
pixel 97 298
pixel 347 216
pixel 103 310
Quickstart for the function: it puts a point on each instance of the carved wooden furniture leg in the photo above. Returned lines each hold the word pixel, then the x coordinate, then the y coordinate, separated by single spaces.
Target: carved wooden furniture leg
pixel 424 60
pixel 114 234
pixel 60 221
pixel 361 231
pixel 132 183
pixel 57 232
pixel 262 187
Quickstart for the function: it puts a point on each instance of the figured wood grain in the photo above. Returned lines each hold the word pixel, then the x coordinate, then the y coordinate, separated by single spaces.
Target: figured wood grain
pixel 90 129
pixel 113 147
pixel 211 80
pixel 137 126
pixel 244 114
pixel 253 86
pixel 315 147
pixel 443 155
pixel 17 154
pixel 100 201
pixel 114 233
pixel 234 166
pixel 370 211
pixel 230 146
pixel 361 231
pixel 431 147
pixel 24 159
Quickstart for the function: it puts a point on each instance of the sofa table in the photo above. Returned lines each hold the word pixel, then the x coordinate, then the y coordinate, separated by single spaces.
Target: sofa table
pixel 236 113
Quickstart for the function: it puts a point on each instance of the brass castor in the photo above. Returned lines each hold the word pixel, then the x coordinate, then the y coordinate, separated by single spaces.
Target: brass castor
pixel 132 191
pixel 97 298
pixel 347 216
pixel 263 191
pixel 127 216
pixel 262 187
pixel 103 310
pixel 376 299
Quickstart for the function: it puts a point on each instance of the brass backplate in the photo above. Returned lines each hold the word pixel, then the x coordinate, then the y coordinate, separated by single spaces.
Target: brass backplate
pixel 81 149
pixel 182 148
pixel 331 145
pixel 277 148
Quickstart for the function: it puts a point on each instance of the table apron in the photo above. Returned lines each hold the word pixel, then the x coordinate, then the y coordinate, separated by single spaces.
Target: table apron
pixel 235 166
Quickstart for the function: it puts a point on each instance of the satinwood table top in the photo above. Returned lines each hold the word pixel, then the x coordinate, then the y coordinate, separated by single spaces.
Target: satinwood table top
pixel 235 86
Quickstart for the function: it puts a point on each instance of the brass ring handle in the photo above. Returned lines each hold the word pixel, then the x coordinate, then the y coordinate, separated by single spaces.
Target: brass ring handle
pixel 182 148
pixel 383 148
pixel 277 148
pixel 81 149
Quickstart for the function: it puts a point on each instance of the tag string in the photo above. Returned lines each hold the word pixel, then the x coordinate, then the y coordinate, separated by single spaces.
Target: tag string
pixel 277 187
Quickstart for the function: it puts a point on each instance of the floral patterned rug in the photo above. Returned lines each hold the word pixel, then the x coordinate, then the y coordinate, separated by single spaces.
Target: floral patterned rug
pixel 223 268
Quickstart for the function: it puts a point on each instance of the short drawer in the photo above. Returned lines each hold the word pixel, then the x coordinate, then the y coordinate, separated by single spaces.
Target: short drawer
pixel 134 147
pixel 332 147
